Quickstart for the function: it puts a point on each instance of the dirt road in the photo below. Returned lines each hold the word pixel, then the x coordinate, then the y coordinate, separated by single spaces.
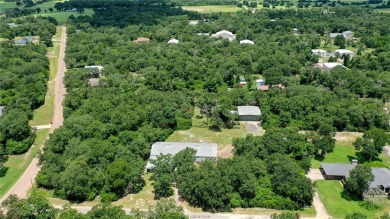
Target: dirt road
pixel 25 182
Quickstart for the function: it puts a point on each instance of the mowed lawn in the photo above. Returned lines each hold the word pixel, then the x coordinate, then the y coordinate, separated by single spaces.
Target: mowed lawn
pixel 212 8
pixel 7 5
pixel 199 132
pixel 17 164
pixel 62 16
pixel 339 204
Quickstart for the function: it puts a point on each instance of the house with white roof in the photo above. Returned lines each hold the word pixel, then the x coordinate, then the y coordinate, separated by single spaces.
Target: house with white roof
pixel 173 41
pixel 247 42
pixel 347 34
pixel 203 150
pixel 321 53
pixel 328 66
pixel 248 113
pixel 342 52
pixel 224 34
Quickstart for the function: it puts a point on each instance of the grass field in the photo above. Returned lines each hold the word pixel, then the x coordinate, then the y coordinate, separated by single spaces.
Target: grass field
pixel 345 151
pixel 6 5
pixel 200 133
pixel 17 164
pixel 44 114
pixel 384 10
pixel 340 204
pixel 62 16
pixel 212 8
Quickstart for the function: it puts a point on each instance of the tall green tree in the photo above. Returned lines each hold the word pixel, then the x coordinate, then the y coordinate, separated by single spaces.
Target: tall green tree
pixel 359 180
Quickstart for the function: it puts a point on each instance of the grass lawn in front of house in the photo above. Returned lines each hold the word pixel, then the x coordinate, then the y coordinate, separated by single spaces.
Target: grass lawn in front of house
pixel 62 16
pixel 338 203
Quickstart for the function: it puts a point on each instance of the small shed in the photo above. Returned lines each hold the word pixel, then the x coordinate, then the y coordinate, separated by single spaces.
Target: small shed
pixel 260 82
pixel 142 40
pixel 249 113
pixel 95 70
pixel 2 109
pixel 250 42
pixel 173 41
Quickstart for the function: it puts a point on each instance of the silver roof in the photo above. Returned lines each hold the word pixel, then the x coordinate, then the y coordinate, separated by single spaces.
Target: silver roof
pixel 2 110
pixel 249 110
pixel 202 149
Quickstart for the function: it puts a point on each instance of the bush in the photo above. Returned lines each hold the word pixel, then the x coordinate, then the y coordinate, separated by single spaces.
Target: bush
pixel 183 123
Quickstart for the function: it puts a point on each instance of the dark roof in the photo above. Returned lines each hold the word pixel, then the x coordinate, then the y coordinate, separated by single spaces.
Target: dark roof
pixel 337 169
pixel 381 175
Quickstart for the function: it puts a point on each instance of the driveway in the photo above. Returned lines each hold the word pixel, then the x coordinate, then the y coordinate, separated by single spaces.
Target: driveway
pixel 315 174
pixel 386 149
pixel 253 128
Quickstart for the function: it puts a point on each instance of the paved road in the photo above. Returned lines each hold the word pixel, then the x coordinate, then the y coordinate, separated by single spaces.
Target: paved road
pixel 25 182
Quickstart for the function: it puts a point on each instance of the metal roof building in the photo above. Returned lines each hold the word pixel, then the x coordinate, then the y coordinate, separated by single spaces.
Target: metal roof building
pixel 248 113
pixel 341 171
pixel 203 150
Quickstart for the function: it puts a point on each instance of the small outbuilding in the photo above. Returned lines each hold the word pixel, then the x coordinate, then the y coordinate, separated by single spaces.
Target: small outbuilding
pixel 173 41
pixel 260 82
pixel 142 40
pixel 328 66
pixel 95 70
pixel 248 113
pixel 224 34
pixel 2 109
pixel 250 42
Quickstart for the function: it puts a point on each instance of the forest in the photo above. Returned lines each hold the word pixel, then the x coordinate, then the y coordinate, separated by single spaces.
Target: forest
pixel 148 90
pixel 23 77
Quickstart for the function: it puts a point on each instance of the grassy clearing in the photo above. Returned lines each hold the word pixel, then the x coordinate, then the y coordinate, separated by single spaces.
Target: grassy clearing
pixel 200 133
pixel 344 152
pixel 62 16
pixel 44 114
pixel 7 5
pixel 384 10
pixel 17 164
pixel 212 8
pixel 340 204
pixel 142 200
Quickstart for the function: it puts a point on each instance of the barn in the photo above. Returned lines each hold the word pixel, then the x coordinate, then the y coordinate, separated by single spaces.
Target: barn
pixel 249 113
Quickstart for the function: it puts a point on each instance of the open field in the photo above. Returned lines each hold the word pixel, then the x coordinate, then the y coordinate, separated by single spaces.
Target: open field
pixel 6 5
pixel 17 164
pixel 212 8
pixel 62 16
pixel 44 114
pixel 199 132
pixel 383 10
pixel 340 204
pixel 344 152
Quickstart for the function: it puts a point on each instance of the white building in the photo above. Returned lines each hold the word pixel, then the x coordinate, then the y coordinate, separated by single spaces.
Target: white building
pixel 193 23
pixel 328 66
pixel 203 150
pixel 342 52
pixel 260 82
pixel 320 52
pixel 173 41
pixel 247 42
pixel 224 34
pixel 248 113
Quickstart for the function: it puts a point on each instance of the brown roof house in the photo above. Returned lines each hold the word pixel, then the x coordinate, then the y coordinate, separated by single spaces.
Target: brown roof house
pixel 142 40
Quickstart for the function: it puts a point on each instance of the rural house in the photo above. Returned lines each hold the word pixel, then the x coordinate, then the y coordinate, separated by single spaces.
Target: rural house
pixel 142 40
pixel 328 66
pixel 320 52
pixel 224 34
pixel 95 70
pixel 203 150
pixel 338 171
pixel 347 34
pixel 248 113
pixel 26 39
pixel 342 52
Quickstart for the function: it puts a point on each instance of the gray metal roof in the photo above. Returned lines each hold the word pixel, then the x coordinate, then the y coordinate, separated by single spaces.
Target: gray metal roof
pixel 337 169
pixel 2 110
pixel 249 110
pixel 382 177
pixel 202 149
